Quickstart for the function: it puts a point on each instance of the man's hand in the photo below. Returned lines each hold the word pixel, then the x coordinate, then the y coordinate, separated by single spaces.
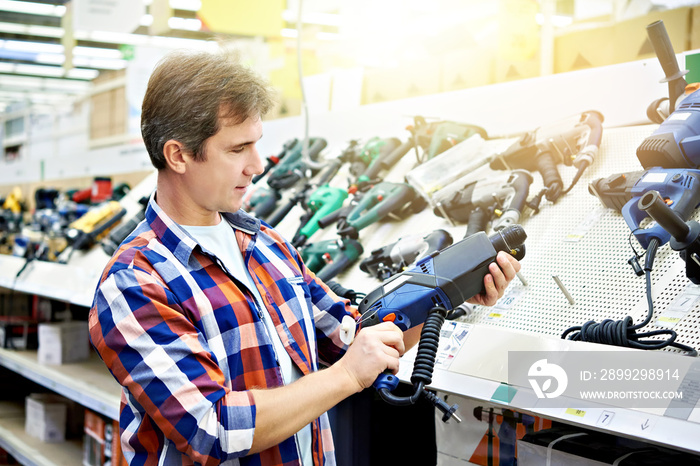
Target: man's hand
pixel 374 349
pixel 496 282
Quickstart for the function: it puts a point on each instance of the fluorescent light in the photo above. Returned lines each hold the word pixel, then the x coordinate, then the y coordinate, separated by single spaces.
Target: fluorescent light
pixel 47 71
pixel 95 52
pixel 43 31
pixel 36 47
pixel 31 8
pixel 186 24
pixel 7 82
pixel 188 5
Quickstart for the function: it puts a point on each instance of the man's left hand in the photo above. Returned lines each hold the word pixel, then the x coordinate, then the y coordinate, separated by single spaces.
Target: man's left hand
pixel 495 283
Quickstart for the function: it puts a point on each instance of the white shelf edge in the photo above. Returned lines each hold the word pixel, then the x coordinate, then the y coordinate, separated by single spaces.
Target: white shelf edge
pixel 33 452
pixel 83 392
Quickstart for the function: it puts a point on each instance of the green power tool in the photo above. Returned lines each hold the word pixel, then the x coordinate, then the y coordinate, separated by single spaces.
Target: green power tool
pixel 330 257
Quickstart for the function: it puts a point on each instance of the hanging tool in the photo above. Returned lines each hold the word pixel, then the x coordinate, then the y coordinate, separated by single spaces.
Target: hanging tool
pixel 660 109
pixel 274 160
pixel 676 142
pixel 293 168
pixel 318 200
pixel 91 227
pixel 485 198
pixel 380 201
pixel 435 137
pixel 425 294
pixel 567 142
pixel 399 255
pixel 116 236
pixel 385 154
pixel 680 188
pixel 330 257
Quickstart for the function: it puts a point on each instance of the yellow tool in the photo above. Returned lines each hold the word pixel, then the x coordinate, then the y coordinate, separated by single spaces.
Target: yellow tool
pixel 91 227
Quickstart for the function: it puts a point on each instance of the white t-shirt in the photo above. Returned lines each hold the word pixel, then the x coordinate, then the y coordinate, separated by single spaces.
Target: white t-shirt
pixel 221 241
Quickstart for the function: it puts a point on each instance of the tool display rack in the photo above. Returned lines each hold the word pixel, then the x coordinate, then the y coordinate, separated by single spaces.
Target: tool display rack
pixel 593 269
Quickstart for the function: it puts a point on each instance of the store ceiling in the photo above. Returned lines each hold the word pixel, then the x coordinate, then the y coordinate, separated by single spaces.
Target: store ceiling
pixel 32 55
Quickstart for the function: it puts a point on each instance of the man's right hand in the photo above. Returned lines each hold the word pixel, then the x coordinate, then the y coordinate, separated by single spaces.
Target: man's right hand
pixel 374 350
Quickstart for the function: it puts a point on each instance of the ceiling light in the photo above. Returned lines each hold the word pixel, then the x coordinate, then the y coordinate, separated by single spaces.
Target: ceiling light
pixel 188 5
pixel 43 9
pixel 47 71
pixel 186 24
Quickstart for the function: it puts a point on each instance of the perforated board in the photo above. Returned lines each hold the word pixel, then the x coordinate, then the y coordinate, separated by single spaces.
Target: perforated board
pixel 594 270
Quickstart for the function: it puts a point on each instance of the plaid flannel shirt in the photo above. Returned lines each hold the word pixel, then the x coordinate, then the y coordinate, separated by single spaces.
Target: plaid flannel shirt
pixel 186 341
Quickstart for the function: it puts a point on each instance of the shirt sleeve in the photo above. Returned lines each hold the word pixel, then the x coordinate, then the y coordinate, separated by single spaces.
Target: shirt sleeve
pixel 156 352
pixel 329 311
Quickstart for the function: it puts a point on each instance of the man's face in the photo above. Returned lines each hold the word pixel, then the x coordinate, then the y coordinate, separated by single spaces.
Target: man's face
pixel 219 183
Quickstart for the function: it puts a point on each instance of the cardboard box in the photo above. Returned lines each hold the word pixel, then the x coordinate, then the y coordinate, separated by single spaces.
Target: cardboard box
pixel 465 68
pixel 410 79
pixel 63 342
pixel 45 417
pixel 631 41
pixel 584 49
pixel 108 106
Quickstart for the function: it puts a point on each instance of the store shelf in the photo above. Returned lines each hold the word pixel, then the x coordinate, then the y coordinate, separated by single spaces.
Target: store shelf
pixel 88 383
pixel 31 451
pixel 74 282
pixel 473 376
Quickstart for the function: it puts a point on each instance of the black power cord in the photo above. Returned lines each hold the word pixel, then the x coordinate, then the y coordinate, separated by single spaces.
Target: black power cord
pixel 623 332
pixel 423 368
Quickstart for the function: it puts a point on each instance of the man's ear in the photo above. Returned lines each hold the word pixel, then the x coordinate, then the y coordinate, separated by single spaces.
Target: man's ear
pixel 176 157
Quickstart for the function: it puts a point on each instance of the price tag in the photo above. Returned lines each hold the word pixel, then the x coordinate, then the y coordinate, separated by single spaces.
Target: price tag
pixel 500 310
pixel 605 418
pixel 678 309
pixel 575 412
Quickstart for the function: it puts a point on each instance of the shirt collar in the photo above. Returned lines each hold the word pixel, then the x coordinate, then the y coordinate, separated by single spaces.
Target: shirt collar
pixel 178 241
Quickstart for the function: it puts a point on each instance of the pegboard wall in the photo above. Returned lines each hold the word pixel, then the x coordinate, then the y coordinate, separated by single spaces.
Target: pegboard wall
pixel 584 244
pixel 587 247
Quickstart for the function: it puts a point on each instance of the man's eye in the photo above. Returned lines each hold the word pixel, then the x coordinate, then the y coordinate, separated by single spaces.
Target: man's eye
pixel 238 150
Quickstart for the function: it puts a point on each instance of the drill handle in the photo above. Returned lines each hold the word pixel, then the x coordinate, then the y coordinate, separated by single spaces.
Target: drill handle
pixel 547 166
pixel 663 48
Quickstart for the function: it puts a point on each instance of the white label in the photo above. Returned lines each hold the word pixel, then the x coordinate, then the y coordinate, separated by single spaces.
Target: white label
pixel 653 178
pixel 452 337
pixel 680 306
pixel 679 116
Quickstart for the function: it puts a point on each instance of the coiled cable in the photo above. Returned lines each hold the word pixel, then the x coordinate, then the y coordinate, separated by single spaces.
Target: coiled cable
pixel 623 332
pixel 423 367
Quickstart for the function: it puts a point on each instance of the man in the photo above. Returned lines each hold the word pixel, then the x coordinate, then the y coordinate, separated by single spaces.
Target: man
pixel 207 317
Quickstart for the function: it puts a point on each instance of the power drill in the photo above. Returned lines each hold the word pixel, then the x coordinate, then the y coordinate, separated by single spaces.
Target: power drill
pixel 679 187
pixel 426 293
pixel 571 143
pixel 397 256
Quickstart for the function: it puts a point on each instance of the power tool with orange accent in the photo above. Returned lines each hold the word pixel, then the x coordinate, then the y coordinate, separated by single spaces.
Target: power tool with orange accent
pixel 426 293
pixel 680 189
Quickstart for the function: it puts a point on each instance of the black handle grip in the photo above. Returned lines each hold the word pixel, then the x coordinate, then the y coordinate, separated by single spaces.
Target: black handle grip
pixel 663 48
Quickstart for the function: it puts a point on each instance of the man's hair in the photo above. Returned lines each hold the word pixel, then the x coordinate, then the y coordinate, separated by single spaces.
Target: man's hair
pixel 187 94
